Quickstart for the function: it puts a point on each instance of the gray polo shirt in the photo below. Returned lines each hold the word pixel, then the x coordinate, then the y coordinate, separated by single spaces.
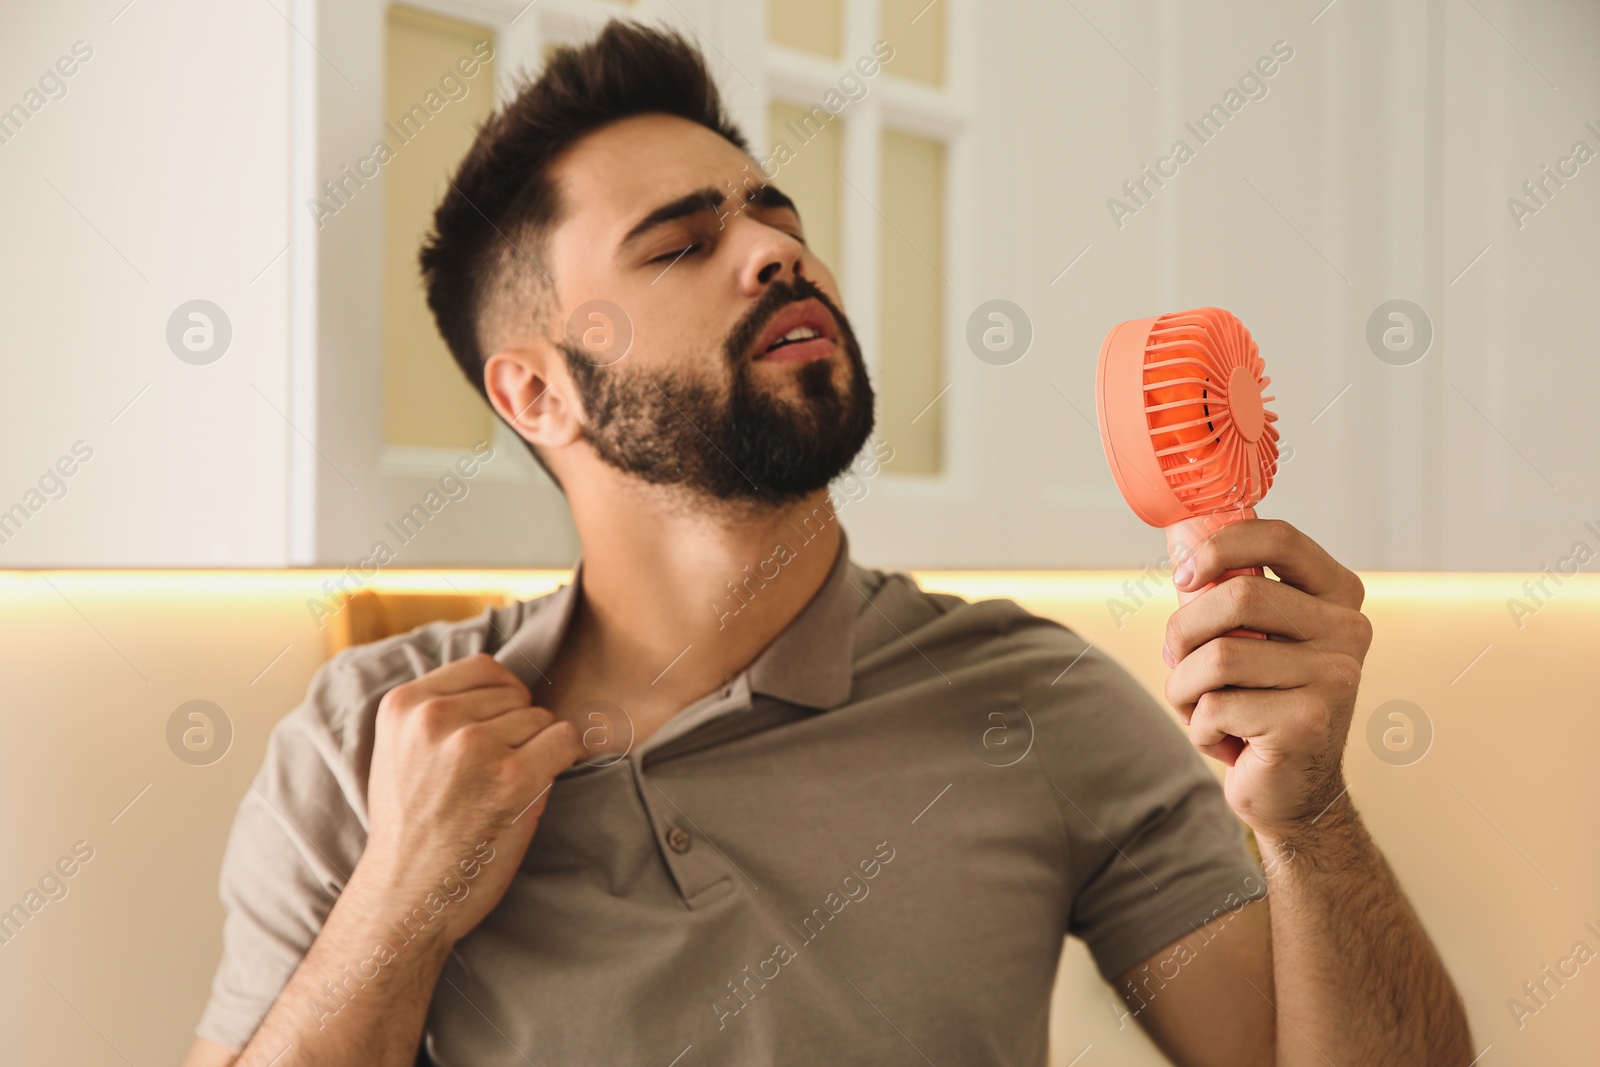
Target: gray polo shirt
pixel 867 848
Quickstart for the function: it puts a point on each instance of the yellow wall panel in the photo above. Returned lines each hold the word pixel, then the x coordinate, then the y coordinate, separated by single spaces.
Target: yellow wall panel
pixel 911 333
pixel 812 176
pixel 916 29
pixel 431 107
pixel 809 25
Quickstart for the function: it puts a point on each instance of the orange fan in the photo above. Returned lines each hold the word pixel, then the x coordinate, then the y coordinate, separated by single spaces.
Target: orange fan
pixel 1185 427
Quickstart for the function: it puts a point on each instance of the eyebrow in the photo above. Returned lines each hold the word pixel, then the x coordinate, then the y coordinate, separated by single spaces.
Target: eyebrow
pixel 708 199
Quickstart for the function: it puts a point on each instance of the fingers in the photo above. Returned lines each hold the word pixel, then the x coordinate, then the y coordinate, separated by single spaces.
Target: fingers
pixel 1249 663
pixel 1255 603
pixel 480 705
pixel 524 750
pixel 530 771
pixel 1275 726
pixel 1238 713
pixel 516 727
pixel 1293 557
pixel 473 672
pixel 550 751
pixel 457 693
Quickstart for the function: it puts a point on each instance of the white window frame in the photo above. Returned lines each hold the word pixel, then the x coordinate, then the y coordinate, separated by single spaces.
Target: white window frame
pixel 335 390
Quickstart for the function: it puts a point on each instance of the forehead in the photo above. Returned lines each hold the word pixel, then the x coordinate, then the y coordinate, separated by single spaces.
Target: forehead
pixel 611 178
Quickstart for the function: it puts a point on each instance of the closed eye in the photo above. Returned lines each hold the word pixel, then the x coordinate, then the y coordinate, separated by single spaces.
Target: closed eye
pixel 673 257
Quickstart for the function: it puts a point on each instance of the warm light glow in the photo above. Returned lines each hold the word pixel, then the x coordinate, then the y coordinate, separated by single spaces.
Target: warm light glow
pixel 525 584
pixel 1381 585
pixel 520 584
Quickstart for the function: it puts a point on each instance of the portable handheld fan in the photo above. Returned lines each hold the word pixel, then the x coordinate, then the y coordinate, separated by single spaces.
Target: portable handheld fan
pixel 1185 425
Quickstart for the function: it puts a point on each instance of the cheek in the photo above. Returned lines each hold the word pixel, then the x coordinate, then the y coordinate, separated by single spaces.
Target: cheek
pixel 677 336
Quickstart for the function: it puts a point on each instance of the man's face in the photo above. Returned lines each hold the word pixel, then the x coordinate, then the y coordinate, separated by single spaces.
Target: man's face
pixel 743 380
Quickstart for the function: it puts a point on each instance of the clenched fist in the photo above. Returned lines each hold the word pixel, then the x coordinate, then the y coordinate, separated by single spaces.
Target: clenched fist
pixel 461 771
pixel 1276 711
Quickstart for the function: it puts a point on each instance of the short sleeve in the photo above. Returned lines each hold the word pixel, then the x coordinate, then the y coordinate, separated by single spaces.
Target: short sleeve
pixel 295 839
pixel 1154 849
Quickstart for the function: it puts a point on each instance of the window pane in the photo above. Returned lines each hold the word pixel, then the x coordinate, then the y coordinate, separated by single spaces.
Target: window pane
pixel 916 30
pixel 809 25
pixel 431 106
pixel 911 333
pixel 807 154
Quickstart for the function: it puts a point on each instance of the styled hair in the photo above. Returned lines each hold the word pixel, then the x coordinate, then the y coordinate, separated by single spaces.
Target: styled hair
pixel 481 264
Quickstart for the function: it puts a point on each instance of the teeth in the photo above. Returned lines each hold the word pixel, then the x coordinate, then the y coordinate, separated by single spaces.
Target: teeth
pixel 795 336
pixel 800 333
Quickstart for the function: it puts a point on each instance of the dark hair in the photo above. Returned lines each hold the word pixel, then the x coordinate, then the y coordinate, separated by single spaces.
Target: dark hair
pixel 480 264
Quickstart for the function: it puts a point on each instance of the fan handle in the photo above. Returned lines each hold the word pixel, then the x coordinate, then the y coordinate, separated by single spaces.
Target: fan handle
pixel 1185 535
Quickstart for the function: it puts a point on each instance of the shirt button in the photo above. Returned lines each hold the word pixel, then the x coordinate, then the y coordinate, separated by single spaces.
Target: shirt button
pixel 678 839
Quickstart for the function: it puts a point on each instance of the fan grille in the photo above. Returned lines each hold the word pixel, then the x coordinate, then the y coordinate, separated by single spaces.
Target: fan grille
pixel 1203 384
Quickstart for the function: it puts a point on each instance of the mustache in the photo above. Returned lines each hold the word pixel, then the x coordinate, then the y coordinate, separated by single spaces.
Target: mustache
pixel 779 296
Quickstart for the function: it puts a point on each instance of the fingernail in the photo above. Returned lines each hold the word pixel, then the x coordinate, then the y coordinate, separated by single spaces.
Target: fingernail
pixel 1182 575
pixel 1166 654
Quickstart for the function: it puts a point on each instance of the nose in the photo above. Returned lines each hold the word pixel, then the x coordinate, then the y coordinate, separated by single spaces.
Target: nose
pixel 769 255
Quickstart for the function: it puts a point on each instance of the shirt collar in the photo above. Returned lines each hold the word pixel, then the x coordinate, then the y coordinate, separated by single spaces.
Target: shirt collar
pixel 810 663
pixel 812 660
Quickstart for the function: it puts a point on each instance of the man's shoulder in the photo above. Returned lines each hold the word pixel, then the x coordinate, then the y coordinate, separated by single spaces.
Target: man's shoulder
pixel 898 617
pixel 900 599
pixel 342 699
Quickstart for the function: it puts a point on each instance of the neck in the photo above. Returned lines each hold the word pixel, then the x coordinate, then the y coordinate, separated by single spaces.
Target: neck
pixel 677 600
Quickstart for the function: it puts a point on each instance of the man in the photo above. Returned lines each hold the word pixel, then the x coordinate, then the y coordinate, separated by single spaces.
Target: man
pixel 729 798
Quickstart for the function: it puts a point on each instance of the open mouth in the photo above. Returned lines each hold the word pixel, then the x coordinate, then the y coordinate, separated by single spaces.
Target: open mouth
pixel 801 332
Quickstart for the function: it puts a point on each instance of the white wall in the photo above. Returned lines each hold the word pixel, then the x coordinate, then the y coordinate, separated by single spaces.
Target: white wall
pixel 1377 167
pixel 160 177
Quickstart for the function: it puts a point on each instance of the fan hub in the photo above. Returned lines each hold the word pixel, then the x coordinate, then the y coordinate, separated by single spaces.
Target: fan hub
pixel 1244 403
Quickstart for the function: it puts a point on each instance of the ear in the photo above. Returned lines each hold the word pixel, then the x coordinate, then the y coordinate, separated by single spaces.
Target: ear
pixel 534 396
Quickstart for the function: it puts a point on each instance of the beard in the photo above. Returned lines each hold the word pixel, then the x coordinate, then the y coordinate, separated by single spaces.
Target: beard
pixel 744 446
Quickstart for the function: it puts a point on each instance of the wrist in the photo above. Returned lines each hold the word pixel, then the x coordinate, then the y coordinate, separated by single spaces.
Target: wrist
pixel 1330 839
pixel 385 908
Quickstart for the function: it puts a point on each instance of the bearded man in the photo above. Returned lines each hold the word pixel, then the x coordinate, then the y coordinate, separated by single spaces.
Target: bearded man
pixel 729 797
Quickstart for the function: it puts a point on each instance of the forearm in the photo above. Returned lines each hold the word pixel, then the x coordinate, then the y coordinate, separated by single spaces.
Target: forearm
pixel 1357 980
pixel 361 994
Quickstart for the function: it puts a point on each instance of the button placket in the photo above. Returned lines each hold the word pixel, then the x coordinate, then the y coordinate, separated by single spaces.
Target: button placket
pixel 699 874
